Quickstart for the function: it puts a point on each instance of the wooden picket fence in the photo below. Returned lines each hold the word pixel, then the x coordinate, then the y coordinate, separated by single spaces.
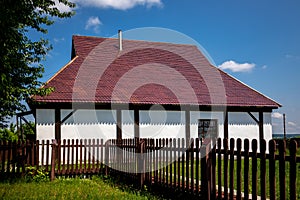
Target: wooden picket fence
pixel 211 169
pixel 14 156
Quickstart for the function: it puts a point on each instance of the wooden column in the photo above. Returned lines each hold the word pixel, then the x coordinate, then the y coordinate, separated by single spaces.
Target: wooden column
pixel 261 125
pixel 57 124
pixel 136 123
pixel 119 124
pixel 187 126
pixel 226 124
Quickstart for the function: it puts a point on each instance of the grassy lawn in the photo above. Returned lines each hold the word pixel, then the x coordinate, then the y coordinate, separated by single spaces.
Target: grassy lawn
pixel 287 175
pixel 95 188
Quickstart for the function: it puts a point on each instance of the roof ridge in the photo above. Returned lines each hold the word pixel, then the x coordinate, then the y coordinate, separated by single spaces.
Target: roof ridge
pixel 132 40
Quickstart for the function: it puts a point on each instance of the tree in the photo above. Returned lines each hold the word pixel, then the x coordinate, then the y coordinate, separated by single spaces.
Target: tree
pixel 9 134
pixel 12 134
pixel 20 56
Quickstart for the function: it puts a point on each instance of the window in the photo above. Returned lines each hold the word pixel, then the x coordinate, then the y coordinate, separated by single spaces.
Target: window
pixel 207 128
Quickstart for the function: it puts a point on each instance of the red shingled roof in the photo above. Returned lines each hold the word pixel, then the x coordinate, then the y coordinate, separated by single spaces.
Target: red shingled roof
pixel 146 73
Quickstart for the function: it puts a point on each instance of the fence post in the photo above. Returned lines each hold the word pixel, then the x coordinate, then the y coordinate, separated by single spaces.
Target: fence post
pixel 293 170
pixel 272 169
pixel 107 157
pixel 141 162
pixel 206 169
pixel 53 158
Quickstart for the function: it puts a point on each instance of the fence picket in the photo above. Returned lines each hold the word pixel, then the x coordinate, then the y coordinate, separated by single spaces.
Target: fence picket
pixel 272 169
pixel 187 166
pixel 225 172
pixel 98 156
pixel 77 157
pixel 192 164
pixel 68 147
pixel 47 154
pixel 36 153
pixel 42 153
pixel 231 169
pixel 197 166
pixel 213 169
pixel 282 148
pixel 293 169
pixel 72 156
pixel 246 169
pixel 167 162
pixel 254 169
pixel 219 168
pixel 24 157
pixel 171 161
pixel 239 169
pixel 263 169
pixel 174 162
pixel 178 164
pixel 102 149
pixel 182 169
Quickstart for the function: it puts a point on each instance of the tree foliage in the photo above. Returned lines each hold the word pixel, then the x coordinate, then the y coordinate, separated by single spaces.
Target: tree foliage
pixel 20 56
pixel 12 134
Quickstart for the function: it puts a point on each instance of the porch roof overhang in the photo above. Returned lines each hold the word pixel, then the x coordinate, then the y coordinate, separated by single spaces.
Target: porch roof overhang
pixel 131 106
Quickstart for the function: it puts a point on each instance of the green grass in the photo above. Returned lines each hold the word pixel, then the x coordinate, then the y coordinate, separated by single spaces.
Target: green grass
pixel 287 176
pixel 95 188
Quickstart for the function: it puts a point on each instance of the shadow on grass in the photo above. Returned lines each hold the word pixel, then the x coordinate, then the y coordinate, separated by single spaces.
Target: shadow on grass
pixel 156 191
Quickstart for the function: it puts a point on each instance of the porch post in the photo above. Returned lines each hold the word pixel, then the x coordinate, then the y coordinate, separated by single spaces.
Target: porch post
pixel 57 124
pixel 187 126
pixel 119 125
pixel 226 124
pixel 136 123
pixel 261 125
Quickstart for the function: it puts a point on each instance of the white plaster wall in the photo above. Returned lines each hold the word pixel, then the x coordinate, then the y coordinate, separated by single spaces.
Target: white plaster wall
pixel 45 124
pixel 103 131
pixel 90 124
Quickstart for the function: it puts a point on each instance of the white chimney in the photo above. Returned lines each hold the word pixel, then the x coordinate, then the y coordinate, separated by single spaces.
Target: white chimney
pixel 120 40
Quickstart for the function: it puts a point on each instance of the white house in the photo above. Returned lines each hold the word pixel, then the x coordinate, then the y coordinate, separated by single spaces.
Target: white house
pixel 123 89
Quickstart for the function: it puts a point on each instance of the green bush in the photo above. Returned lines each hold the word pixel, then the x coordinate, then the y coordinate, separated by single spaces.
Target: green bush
pixel 11 133
pixel 36 175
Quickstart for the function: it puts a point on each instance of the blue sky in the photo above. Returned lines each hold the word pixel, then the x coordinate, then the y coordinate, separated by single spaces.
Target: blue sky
pixel 255 41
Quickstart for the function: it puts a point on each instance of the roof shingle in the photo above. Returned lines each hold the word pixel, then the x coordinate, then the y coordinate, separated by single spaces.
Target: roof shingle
pixel 146 73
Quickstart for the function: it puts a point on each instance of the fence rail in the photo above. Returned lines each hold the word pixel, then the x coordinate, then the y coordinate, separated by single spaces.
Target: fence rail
pixel 212 169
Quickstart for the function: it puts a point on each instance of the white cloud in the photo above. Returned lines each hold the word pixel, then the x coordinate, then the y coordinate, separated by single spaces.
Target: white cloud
pixel 62 7
pixel 290 56
pixel 264 67
pixel 277 115
pixel 292 124
pixel 237 67
pixel 58 40
pixel 93 23
pixel 118 4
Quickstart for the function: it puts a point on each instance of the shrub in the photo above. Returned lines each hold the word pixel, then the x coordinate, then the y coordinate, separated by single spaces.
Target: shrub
pixel 36 175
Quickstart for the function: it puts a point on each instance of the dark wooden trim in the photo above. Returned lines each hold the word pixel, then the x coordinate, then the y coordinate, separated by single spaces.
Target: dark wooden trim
pixel 226 124
pixel 253 117
pixel 187 126
pixel 57 124
pixel 24 113
pixel 68 116
pixel 261 125
pixel 130 106
pixel 119 124
pixel 136 123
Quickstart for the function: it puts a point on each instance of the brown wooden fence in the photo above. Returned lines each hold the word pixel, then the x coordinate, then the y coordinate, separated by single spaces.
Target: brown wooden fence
pixel 14 156
pixel 221 169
